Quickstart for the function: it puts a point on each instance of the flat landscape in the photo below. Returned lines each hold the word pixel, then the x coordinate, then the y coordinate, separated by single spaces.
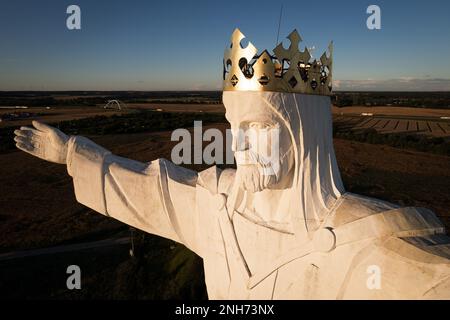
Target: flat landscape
pixel 54 115
pixel 38 208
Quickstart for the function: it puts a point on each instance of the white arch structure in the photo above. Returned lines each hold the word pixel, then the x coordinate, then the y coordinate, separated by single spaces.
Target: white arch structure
pixel 113 104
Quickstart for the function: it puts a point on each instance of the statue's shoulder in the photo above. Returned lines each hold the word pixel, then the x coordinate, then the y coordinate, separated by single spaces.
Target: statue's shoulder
pixel 408 244
pixel 351 207
pixel 216 180
pixel 404 268
pixel 367 216
pixel 411 264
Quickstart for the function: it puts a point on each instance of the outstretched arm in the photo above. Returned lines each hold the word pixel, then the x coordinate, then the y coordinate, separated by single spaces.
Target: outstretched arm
pixel 157 197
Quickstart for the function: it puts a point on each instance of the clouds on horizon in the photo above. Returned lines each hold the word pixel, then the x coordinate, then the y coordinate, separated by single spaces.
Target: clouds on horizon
pixel 399 84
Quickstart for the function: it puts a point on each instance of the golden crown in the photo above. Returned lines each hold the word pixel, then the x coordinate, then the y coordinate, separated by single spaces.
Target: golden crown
pixel 289 70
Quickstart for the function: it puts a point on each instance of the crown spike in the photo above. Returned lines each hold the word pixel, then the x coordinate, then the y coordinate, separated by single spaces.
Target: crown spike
pixel 295 38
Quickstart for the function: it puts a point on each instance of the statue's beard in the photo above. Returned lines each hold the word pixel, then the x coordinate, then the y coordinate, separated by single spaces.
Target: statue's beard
pixel 256 172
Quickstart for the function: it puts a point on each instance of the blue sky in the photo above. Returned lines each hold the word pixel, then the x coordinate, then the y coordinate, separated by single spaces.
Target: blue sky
pixel 178 45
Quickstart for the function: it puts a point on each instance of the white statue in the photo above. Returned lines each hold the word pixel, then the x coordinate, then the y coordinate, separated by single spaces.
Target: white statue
pixel 293 235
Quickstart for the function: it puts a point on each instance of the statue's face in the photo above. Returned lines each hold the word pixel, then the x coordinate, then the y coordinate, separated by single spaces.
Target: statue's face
pixel 262 147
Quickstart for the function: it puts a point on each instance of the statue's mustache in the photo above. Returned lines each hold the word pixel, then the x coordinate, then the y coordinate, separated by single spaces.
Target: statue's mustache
pixel 251 158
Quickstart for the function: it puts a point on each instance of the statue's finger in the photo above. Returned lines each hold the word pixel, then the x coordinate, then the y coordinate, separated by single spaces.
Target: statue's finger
pixel 41 126
pixel 21 139
pixel 28 148
pixel 28 135
pixel 23 133
pixel 28 130
pixel 33 141
pixel 25 147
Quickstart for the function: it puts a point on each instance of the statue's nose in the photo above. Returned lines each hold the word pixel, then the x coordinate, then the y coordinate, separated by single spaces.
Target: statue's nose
pixel 239 141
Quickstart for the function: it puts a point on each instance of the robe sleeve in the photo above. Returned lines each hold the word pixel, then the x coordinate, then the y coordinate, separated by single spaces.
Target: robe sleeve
pixel 156 197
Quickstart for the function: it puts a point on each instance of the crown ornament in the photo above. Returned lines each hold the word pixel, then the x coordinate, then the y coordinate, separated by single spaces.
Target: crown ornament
pixel 287 70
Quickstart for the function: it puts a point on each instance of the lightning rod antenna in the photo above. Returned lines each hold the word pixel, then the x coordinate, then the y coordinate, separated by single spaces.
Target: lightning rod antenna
pixel 279 24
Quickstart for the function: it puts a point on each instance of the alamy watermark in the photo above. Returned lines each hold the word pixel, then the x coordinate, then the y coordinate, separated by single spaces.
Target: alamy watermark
pixel 373 21
pixel 73 21
pixel 373 282
pixel 256 145
pixel 74 280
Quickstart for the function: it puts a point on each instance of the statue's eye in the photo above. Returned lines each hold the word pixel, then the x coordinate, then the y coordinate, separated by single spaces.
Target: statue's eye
pixel 259 125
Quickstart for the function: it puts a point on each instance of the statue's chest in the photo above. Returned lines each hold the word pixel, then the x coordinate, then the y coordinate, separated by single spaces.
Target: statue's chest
pixel 234 252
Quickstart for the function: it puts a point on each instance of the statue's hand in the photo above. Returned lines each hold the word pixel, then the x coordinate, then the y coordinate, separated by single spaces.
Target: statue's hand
pixel 44 141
